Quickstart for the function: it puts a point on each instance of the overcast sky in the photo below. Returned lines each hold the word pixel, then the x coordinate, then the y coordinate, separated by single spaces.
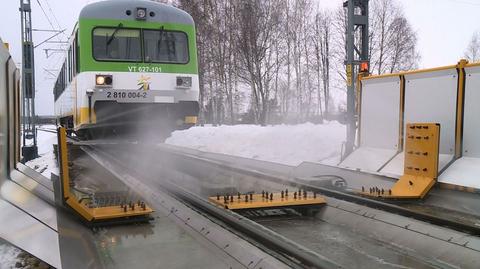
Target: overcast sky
pixel 444 28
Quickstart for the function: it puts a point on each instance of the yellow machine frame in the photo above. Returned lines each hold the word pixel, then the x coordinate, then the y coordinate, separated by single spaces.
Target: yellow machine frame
pixel 421 164
pixel 267 200
pixel 88 213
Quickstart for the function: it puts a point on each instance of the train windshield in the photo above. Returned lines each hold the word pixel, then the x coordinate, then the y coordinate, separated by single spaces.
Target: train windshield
pixel 165 46
pixel 116 44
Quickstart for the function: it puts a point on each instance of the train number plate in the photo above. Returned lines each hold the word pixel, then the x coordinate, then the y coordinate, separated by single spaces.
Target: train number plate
pixel 119 95
pixel 125 96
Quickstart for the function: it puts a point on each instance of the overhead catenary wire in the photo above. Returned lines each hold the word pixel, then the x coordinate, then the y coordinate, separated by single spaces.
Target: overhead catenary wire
pixel 46 16
pixel 55 18
pixel 56 27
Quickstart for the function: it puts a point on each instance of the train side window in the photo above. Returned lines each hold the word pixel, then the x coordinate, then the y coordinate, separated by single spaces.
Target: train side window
pixel 63 78
pixel 70 64
pixel 77 54
pixel 74 58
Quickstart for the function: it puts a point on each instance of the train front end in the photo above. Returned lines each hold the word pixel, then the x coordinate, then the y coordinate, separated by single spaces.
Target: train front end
pixel 138 69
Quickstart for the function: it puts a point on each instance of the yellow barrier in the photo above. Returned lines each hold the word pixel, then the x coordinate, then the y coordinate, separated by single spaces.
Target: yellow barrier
pixel 421 164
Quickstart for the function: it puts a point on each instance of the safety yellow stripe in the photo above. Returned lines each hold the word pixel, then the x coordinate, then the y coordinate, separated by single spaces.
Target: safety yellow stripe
pixel 401 114
pixel 62 134
pixel 472 64
pixel 415 71
pixel 83 116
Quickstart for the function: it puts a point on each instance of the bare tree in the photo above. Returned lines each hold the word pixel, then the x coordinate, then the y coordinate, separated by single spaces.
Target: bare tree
pixel 289 59
pixel 402 44
pixel 258 28
pixel 198 9
pixel 393 42
pixel 323 54
pixel 472 53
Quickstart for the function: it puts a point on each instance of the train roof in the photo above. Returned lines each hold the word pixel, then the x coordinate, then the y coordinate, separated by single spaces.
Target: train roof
pixel 117 9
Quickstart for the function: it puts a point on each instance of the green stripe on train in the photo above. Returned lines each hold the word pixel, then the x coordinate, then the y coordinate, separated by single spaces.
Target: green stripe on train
pixel 87 63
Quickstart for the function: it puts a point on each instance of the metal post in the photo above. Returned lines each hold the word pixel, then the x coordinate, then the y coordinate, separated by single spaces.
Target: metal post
pixel 357 30
pixel 29 151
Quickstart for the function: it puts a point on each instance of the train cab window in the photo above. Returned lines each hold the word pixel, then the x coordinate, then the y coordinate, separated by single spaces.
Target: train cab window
pixel 165 46
pixel 116 44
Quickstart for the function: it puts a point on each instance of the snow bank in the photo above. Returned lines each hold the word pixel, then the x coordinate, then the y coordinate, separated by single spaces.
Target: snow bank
pixel 46 163
pixel 286 144
pixel 8 255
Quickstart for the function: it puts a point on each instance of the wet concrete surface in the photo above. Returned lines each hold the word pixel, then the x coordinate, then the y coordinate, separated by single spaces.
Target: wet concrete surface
pixel 158 244
pixel 345 247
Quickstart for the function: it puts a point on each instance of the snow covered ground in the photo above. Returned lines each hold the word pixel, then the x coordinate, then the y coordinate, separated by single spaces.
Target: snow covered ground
pixel 46 163
pixel 8 255
pixel 286 144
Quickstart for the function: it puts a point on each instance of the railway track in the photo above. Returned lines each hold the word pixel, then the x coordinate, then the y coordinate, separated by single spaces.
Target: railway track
pixel 325 241
pixel 465 223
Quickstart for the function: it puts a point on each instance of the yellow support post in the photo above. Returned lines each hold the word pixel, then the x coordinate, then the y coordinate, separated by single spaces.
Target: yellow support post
pixel 460 103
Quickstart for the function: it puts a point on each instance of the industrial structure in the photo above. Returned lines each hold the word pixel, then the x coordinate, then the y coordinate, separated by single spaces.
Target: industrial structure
pixel 29 135
pixel 357 62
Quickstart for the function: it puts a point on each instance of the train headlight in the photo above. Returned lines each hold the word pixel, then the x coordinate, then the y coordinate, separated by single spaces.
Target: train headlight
pixel 184 82
pixel 103 80
pixel 141 13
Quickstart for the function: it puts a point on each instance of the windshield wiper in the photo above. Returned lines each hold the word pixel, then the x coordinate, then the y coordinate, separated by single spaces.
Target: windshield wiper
pixel 120 25
pixel 159 42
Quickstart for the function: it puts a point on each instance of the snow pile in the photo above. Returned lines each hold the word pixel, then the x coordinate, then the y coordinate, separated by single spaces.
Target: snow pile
pixel 46 163
pixel 286 144
pixel 8 255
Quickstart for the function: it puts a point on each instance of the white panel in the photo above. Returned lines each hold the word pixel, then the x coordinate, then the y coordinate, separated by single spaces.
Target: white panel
pixel 395 167
pixel 465 171
pixel 432 97
pixel 380 119
pixel 380 113
pixel 368 159
pixel 471 131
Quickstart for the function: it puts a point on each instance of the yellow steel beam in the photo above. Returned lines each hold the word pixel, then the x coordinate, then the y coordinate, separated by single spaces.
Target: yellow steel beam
pixel 401 113
pixel 64 172
pixel 421 164
pixel 269 200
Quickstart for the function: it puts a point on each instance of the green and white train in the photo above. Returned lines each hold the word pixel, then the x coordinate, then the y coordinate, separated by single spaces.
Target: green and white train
pixel 130 64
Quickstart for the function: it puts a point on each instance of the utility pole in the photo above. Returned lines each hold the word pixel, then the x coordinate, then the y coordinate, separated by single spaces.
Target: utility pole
pixel 29 137
pixel 357 55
